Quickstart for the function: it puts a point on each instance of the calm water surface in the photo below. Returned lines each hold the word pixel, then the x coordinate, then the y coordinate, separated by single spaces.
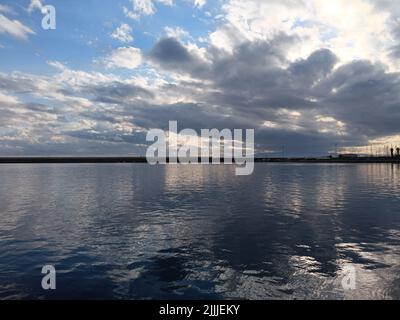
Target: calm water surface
pixel 183 232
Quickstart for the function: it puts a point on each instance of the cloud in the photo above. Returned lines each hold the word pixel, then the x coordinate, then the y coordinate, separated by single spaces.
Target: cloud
pixel 316 67
pixel 5 9
pixel 143 7
pixel 172 55
pixel 176 32
pixel 169 3
pixel 117 91
pixel 318 98
pixel 254 87
pixel 7 99
pixel 353 29
pixel 14 28
pixel 199 3
pixel 308 104
pixel 170 50
pixel 140 7
pixel 123 33
pixel 35 5
pixel 393 10
pixel 303 74
pixel 124 57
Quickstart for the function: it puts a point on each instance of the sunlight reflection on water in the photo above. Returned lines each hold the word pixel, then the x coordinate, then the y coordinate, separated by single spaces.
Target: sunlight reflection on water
pixel 197 231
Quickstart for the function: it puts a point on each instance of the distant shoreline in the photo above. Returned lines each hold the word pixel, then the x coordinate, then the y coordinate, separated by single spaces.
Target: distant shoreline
pixel 27 160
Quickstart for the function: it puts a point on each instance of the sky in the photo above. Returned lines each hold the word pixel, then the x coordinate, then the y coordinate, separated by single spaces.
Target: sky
pixel 309 76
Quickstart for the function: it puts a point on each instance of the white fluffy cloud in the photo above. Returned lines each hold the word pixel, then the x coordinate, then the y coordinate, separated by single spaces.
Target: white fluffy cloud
pixel 144 7
pixel 124 57
pixel 7 99
pixel 176 32
pixel 35 4
pixel 123 33
pixel 14 28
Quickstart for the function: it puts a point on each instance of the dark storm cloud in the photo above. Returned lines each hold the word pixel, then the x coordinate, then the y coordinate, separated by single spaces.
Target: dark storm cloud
pixel 253 76
pixel 366 96
pixel 193 116
pixel 116 91
pixel 171 54
pixel 170 50
pixel 100 115
pixel 256 80
pixel 316 67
